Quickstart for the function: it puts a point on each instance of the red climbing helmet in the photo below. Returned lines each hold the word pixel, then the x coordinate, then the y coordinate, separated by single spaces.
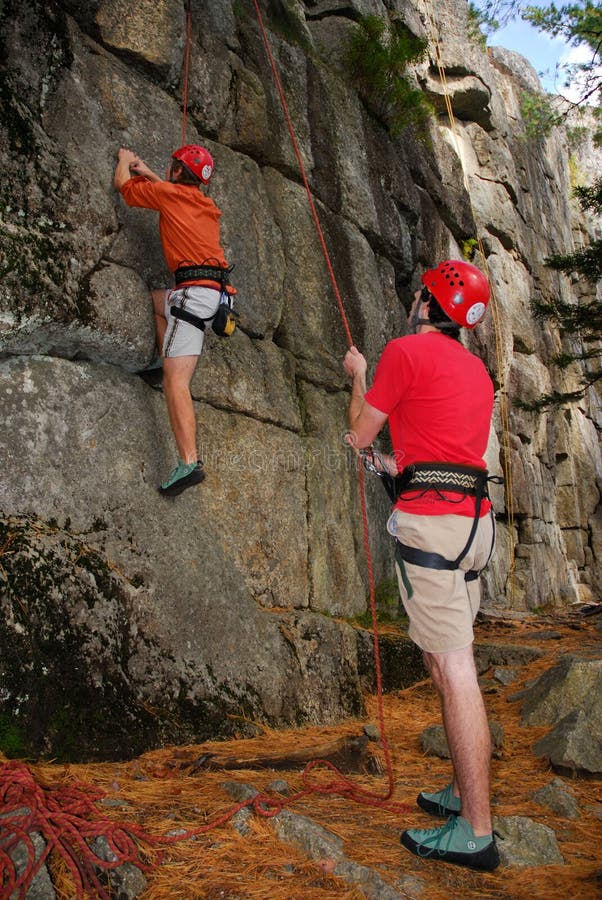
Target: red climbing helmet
pixel 461 290
pixel 197 159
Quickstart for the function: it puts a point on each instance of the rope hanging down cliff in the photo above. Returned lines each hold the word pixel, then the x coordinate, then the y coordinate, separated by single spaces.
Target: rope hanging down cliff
pixel 349 789
pixel 345 323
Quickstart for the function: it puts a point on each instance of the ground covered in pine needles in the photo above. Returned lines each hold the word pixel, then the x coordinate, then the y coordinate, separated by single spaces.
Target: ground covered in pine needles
pixel 162 794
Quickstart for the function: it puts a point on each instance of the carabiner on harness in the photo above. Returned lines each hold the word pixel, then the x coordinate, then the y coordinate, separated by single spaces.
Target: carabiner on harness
pixel 373 461
pixel 370 457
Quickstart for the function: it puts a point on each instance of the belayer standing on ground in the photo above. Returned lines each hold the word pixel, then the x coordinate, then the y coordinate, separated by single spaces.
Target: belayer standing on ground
pixel 189 229
pixel 438 399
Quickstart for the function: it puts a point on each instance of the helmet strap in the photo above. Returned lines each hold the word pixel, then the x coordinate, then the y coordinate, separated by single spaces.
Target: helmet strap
pixel 416 321
pixel 446 326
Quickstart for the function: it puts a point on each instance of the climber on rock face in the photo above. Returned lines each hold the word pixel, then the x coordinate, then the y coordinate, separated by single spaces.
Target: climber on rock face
pixel 190 236
pixel 438 400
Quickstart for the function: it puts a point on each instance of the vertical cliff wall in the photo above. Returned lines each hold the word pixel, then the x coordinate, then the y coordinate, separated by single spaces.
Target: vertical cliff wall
pixel 235 598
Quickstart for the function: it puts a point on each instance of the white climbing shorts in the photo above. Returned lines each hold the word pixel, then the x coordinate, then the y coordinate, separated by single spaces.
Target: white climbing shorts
pixel 182 338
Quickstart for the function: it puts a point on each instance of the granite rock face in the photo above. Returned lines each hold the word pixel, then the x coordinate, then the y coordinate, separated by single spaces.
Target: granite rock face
pixel 242 575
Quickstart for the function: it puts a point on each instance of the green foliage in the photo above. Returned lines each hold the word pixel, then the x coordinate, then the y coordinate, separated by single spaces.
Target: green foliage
pixel 597 114
pixel 377 59
pixel 590 198
pixel 477 21
pixel 538 115
pixel 582 319
pixel 12 740
pixel 586 262
pixel 555 399
pixel 494 14
pixel 578 23
pixel 577 136
pixel 586 317
pixel 469 247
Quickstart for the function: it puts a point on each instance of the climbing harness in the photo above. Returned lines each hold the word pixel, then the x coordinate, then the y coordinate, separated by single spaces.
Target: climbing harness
pixel 419 478
pixel 467 481
pixel 185 274
pixel 223 321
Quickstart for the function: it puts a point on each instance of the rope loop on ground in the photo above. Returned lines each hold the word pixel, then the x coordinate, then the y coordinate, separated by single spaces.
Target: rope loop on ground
pixel 68 821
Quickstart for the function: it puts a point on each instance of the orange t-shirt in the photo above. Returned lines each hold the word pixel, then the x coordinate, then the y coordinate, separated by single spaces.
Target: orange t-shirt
pixel 188 222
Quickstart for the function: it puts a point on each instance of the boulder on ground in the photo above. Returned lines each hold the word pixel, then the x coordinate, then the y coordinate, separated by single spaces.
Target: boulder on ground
pixel 523 842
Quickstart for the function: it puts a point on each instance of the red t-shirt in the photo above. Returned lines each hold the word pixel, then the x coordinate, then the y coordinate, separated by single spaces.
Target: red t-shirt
pixel 188 221
pixel 439 400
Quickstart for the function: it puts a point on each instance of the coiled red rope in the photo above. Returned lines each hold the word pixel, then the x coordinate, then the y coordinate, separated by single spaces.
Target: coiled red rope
pixel 68 820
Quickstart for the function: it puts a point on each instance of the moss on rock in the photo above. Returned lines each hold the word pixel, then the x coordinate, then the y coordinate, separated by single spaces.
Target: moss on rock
pixel 68 630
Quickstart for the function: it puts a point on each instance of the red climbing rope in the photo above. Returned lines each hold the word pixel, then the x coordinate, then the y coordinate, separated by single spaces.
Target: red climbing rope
pixel 266 805
pixel 68 820
pixel 310 198
pixel 348 788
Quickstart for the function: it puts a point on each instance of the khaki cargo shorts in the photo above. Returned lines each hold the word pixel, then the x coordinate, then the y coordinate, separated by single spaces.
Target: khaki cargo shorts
pixel 440 604
pixel 182 338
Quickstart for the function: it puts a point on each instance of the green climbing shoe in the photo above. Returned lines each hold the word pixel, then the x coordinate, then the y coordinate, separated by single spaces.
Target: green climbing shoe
pixel 455 842
pixel 184 475
pixel 441 803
